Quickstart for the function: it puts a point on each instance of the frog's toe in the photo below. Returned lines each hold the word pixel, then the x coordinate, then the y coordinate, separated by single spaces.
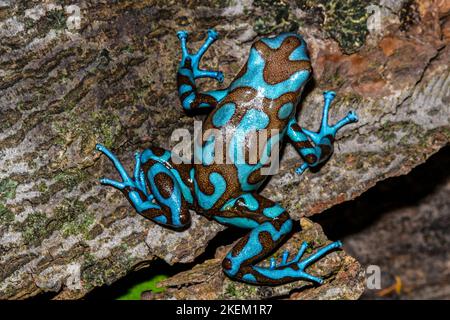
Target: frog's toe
pixel 352 116
pixel 112 183
pixel 218 75
pixel 99 147
pixel 329 95
pixel 302 168
pixel 213 34
pixel 182 34
pixel 302 264
pixel 312 278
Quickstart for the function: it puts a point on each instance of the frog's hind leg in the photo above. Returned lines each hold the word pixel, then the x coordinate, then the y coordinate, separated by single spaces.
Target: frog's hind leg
pixel 157 189
pixel 269 224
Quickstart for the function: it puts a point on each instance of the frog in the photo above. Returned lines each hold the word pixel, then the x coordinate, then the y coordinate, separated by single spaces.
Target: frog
pixel 264 95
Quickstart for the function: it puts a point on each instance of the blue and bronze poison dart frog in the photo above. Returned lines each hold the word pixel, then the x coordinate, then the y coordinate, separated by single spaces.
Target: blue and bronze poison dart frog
pixel 263 96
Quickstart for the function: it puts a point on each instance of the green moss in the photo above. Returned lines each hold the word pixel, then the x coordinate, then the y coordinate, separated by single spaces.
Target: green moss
pixel 99 126
pixel 240 291
pixel 231 290
pixel 76 219
pixel 277 17
pixel 71 217
pixel 343 20
pixel 29 23
pixel 6 215
pixel 100 272
pixel 56 19
pixel 80 225
pixel 105 124
pixel 35 228
pixel 70 178
pixel 351 98
pixel 42 187
pixel 93 275
pixel 8 189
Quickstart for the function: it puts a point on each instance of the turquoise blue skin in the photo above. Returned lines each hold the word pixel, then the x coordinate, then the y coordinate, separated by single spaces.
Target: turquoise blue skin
pixel 226 194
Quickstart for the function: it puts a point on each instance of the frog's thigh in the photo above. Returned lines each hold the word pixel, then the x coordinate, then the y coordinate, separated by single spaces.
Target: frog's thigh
pixel 248 210
pixel 166 182
pixel 269 224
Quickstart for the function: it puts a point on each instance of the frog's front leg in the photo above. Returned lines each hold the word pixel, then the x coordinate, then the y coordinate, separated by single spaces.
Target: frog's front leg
pixel 156 190
pixel 301 138
pixel 189 71
pixel 269 224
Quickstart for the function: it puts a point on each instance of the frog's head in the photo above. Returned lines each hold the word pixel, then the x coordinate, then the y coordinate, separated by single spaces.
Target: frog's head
pixel 285 58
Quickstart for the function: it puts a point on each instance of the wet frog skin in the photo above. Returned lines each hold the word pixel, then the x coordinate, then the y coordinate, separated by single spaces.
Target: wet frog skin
pixel 263 96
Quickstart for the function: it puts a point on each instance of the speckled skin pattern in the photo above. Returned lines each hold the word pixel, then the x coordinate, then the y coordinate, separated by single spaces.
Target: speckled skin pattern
pixel 263 96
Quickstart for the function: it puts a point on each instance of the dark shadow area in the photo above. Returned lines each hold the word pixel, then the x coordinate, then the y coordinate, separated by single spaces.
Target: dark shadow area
pixel 393 193
pixel 43 296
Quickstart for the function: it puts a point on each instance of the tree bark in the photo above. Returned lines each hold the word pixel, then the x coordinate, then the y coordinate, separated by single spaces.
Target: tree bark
pixel 109 77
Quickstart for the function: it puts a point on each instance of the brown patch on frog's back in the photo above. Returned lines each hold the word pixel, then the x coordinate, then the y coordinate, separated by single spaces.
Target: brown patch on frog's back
pixel 278 66
pixel 157 151
pixel 165 184
pixel 228 172
pixel 239 97
pixel 256 177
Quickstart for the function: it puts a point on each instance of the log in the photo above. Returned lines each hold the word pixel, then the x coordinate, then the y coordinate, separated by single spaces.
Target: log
pixel 73 75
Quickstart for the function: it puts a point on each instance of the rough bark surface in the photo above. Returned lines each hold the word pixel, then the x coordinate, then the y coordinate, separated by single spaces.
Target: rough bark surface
pixel 111 79
pixel 343 275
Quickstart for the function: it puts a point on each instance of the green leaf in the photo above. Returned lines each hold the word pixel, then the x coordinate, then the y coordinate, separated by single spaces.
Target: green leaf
pixel 134 293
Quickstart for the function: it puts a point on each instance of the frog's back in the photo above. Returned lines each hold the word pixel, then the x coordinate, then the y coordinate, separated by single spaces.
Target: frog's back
pixel 261 99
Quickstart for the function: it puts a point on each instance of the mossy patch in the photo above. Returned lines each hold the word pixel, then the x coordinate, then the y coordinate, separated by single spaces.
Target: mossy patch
pixel 35 228
pixel 69 179
pixel 343 20
pixel 8 189
pixel 75 217
pixel 56 19
pixel 71 217
pixel 277 17
pixel 6 215
pixel 99 126
pixel 240 290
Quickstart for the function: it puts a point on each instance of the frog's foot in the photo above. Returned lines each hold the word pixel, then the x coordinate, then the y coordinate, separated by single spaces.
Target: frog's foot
pixel 324 138
pixel 134 188
pixel 302 168
pixel 192 61
pixel 296 267
pixel 161 199
pixel 329 131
